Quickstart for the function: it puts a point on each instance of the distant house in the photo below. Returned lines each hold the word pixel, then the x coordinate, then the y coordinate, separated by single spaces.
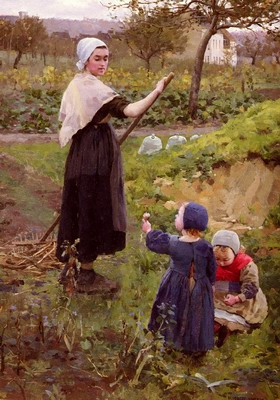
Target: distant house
pixel 22 14
pixel 61 35
pixel 221 49
pixel 85 35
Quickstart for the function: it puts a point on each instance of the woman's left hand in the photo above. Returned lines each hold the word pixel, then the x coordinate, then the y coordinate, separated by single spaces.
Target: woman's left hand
pixel 230 300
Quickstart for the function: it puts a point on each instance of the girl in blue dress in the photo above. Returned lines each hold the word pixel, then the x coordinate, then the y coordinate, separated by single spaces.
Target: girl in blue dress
pixel 187 286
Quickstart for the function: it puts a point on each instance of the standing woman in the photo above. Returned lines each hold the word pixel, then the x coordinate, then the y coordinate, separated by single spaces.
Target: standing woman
pixel 93 203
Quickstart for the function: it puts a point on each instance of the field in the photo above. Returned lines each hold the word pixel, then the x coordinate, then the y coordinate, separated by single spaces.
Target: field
pixel 57 345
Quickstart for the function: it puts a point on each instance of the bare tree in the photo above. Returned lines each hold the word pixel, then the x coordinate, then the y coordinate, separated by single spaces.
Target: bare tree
pixel 273 46
pixel 152 35
pixel 252 44
pixel 5 33
pixel 27 36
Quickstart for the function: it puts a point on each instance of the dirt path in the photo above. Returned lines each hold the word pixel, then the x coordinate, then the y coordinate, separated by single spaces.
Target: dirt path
pixel 30 192
pixel 10 138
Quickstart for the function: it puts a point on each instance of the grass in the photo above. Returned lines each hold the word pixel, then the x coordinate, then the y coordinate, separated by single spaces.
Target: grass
pixel 26 201
pixel 107 338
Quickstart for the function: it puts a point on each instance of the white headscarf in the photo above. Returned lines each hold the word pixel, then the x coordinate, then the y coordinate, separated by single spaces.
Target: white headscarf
pixel 85 48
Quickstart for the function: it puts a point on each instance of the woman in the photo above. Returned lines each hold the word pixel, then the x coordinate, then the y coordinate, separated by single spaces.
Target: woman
pixel 93 204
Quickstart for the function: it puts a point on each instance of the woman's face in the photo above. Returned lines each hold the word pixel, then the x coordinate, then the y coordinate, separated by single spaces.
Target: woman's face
pixel 97 63
pixel 224 255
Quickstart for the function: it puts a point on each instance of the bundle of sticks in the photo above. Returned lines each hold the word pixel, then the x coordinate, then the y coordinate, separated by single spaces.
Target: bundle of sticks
pixel 36 257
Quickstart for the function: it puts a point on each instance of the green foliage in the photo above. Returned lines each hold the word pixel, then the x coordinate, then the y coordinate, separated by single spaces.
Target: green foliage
pixel 265 252
pixel 152 35
pixel 31 102
pixel 31 111
pixel 28 34
pixel 246 135
pixel 112 333
pixel 274 216
pixel 148 261
pixel 55 393
pixel 47 159
pixel 26 200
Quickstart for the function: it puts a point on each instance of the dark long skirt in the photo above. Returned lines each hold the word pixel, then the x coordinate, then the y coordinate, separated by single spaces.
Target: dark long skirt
pixel 191 326
pixel 93 206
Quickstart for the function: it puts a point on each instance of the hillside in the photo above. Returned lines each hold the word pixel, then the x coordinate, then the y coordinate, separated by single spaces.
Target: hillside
pixel 76 27
pixel 87 26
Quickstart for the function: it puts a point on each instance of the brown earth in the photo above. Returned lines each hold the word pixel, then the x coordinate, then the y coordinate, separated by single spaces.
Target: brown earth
pixel 270 94
pixel 237 197
pixel 13 220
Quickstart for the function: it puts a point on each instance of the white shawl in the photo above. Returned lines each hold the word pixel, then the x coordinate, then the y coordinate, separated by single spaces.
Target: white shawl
pixel 84 96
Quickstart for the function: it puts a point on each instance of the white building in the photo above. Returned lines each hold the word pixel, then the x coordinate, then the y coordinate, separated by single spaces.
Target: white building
pixel 23 14
pixel 221 49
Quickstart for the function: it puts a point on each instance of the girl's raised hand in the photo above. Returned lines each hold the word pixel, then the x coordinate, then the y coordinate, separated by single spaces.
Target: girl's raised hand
pixel 146 226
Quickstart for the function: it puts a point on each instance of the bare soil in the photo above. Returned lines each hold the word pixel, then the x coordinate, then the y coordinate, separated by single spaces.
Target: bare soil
pixel 12 219
pixel 270 94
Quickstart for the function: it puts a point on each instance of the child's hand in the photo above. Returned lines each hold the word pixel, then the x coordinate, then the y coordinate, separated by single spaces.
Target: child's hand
pixel 146 226
pixel 146 216
pixel 230 300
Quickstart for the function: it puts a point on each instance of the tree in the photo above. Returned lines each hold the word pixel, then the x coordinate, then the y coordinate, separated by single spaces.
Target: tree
pixel 60 44
pixel 149 35
pixel 273 47
pixel 215 15
pixel 28 33
pixel 5 34
pixel 252 44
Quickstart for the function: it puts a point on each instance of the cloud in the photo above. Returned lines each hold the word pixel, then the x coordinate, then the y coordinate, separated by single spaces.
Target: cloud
pixel 72 9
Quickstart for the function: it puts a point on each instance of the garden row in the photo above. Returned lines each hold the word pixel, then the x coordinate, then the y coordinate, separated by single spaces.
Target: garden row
pixel 30 102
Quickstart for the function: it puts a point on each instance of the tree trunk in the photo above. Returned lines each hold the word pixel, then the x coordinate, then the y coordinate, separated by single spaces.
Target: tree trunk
pixel 148 65
pixel 198 65
pixel 17 60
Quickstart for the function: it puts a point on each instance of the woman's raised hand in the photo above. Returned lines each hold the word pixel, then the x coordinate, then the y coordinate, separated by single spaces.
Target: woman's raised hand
pixel 160 85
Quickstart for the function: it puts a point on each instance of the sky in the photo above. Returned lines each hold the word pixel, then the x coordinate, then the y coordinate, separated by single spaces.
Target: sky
pixel 68 9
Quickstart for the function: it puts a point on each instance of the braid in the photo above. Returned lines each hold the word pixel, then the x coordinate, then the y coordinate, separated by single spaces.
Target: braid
pixel 194 232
